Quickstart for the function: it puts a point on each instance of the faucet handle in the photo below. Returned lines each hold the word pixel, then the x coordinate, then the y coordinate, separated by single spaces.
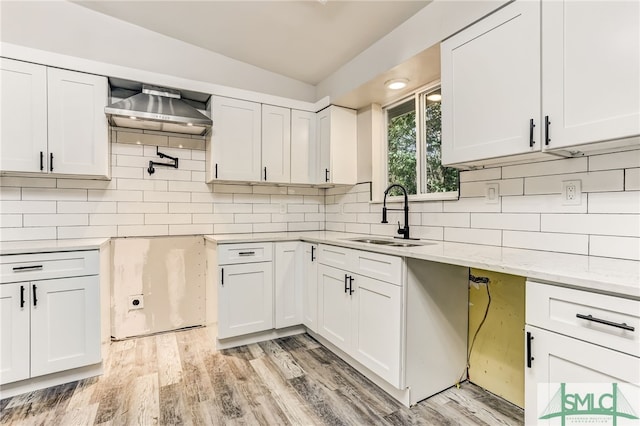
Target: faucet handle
pixel 400 230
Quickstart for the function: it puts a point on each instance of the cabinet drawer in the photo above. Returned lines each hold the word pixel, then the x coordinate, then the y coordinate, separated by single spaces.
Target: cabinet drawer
pixel 379 266
pixel 43 266
pixel 229 254
pixel 580 314
pixel 338 257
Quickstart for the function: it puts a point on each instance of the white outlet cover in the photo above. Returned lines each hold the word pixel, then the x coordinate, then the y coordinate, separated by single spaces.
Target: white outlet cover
pixel 571 193
pixel 492 193
pixel 132 302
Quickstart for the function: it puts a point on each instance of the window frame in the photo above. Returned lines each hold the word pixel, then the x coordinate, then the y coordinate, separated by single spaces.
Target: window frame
pixel 419 96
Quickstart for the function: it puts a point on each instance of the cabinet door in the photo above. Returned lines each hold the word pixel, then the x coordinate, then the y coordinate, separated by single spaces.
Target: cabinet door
pixel 343 146
pixel 14 332
pixel 65 324
pixel 377 327
pixel 78 128
pixel 560 359
pixel 276 144
pixel 588 97
pixel 245 300
pixel 304 148
pixel 491 86
pixel 288 284
pixel 334 307
pixel 23 116
pixel 236 139
pixel 310 286
pixel 324 146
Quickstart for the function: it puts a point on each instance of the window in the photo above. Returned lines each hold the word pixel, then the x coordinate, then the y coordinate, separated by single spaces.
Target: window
pixel 413 147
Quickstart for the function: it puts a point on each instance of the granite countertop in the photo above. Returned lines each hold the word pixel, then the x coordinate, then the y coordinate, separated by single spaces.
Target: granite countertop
pixel 611 276
pixel 46 246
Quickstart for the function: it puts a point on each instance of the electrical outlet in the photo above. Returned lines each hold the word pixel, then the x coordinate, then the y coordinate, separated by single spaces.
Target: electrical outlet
pixel 571 193
pixel 136 302
pixel 492 193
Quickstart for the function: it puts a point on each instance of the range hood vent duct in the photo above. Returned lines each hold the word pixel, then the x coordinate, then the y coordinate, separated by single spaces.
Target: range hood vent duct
pixel 158 108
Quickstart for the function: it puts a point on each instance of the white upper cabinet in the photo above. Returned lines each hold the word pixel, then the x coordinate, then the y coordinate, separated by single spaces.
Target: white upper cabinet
pixel 53 121
pixel 338 150
pixel 234 152
pixel 23 120
pixel 304 147
pixel 276 144
pixel 78 128
pixel 491 86
pixel 590 70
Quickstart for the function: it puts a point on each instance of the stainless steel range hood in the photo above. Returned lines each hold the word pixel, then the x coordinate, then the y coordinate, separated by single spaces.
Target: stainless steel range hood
pixel 157 108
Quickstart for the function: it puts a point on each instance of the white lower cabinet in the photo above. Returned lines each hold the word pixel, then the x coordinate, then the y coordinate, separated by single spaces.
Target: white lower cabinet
pixel 362 316
pixel 586 341
pixel 288 284
pixel 245 302
pixel 310 285
pixel 47 325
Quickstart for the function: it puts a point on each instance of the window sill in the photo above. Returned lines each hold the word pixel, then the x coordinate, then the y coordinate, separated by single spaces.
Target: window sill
pixel 438 196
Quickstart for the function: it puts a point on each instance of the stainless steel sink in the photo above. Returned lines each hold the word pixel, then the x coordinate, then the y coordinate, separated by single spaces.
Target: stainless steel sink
pixel 390 243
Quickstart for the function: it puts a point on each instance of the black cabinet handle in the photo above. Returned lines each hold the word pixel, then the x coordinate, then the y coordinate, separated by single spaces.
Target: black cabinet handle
pixel 531 126
pixel 623 325
pixel 22 296
pixel 51 162
pixel 246 253
pixel 222 276
pixel 27 268
pixel 547 139
pixel 41 161
pixel 265 173
pixel 313 248
pixel 346 279
pixel 35 296
pixel 351 290
pixel 216 171
pixel 529 357
pixel 326 175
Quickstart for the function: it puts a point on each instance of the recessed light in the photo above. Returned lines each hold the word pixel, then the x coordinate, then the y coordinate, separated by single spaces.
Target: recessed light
pixel 132 117
pixel 434 97
pixel 396 84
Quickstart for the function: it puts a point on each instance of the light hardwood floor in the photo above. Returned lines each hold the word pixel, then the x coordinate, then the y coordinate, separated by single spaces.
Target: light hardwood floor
pixel 180 378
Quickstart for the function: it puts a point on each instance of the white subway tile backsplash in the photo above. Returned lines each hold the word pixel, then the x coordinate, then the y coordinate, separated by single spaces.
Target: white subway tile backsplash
pixel 302 208
pixel 195 165
pixel 168 173
pixel 32 220
pixel 133 161
pixel 127 172
pixel 142 184
pixel 212 218
pixel 303 191
pixel 171 218
pixel 618 247
pixel 267 208
pixel 554 167
pixel 269 190
pixel 564 243
pixel 615 202
pixel 505 187
pixel 355 208
pixel 10 220
pixel 93 231
pixel 87 207
pixel 599 224
pixel 427 232
pixel 142 230
pixel 142 207
pixel 314 217
pixel 304 226
pixel 446 219
pixel 211 197
pixel 191 207
pixel 27 234
pixel 116 219
pixel 233 208
pixel 54 194
pixel 270 227
pixel 198 155
pixel 198 176
pixel 612 180
pixel 425 206
pixel 27 182
pixel 127 149
pixel 194 229
pixel 9 193
pixel 511 221
pixel 314 199
pixel 162 196
pixel 251 198
pixel 232 189
pixel 232 228
pixel 541 204
pixel 86 184
pixel 471 205
pixel 632 179
pixel 251 217
pixel 114 195
pixel 482 174
pixel 338 227
pixel 286 199
pixel 288 217
pixel 27 206
pixel 188 186
pixel 358 228
pixel 616 160
pixel 489 237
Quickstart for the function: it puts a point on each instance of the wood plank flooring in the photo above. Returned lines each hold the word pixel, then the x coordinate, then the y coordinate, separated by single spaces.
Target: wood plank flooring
pixel 179 378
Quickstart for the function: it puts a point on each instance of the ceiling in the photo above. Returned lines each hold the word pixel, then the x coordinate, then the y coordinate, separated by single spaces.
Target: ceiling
pixel 305 40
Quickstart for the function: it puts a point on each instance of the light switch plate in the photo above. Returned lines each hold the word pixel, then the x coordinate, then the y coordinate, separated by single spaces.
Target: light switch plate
pixel 492 193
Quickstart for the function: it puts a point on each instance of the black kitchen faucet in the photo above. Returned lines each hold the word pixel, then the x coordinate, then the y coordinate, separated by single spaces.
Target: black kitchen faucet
pixel 404 231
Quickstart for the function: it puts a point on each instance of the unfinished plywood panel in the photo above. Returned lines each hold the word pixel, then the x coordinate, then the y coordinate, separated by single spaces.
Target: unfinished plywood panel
pixel 497 358
pixel 169 273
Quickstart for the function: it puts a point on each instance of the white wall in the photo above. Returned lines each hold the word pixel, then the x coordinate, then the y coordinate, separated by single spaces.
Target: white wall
pixel 529 214
pixel 69 29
